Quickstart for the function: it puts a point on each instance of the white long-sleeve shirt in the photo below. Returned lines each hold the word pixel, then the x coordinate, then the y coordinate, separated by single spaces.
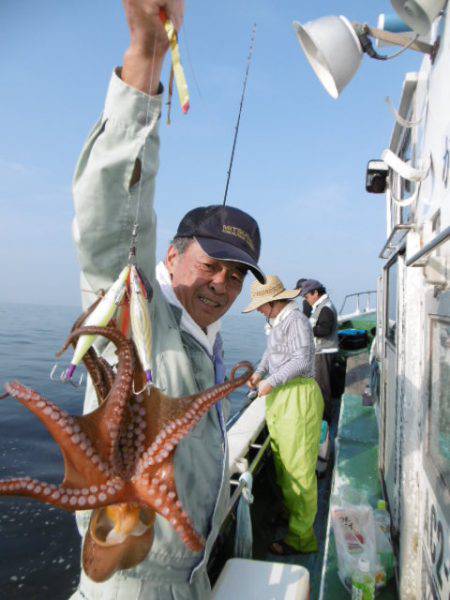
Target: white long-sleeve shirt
pixel 290 347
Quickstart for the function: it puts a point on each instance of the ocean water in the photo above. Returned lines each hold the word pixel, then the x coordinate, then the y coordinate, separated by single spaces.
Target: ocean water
pixel 39 544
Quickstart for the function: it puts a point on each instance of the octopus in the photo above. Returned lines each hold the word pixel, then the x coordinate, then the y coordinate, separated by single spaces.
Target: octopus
pixel 118 459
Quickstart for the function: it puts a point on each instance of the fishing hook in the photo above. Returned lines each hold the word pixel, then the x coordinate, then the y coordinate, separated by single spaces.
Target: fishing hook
pixel 62 378
pixel 148 385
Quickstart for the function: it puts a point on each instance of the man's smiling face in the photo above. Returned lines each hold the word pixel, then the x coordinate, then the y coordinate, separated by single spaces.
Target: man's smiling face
pixel 206 287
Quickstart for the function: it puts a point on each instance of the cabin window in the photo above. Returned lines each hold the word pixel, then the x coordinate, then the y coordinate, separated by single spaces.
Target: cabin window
pixel 439 416
pixel 392 296
pixel 408 189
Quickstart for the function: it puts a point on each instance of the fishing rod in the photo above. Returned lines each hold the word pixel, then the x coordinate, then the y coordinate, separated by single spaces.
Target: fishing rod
pixel 236 129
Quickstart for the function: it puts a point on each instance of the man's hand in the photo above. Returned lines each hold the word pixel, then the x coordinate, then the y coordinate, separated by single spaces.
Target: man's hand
pixel 264 388
pixel 144 58
pixel 254 380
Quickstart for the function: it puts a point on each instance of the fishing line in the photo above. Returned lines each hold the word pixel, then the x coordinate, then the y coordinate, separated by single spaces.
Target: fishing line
pixel 134 232
pixel 236 129
pixel 184 41
pixel 206 106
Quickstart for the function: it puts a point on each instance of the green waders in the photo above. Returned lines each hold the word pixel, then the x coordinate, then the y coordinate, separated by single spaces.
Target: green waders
pixel 294 418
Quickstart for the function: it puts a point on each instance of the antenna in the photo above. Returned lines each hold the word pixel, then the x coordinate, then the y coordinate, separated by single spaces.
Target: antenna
pixel 236 129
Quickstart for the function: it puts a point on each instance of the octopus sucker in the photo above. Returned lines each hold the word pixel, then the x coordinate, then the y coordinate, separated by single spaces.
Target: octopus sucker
pixel 118 460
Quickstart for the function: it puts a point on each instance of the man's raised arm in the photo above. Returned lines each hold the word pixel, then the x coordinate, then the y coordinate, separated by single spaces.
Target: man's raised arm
pixel 118 165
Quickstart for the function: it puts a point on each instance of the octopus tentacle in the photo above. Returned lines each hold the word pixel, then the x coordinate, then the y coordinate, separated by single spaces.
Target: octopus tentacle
pixel 112 412
pixel 177 429
pixel 67 498
pixel 158 491
pixel 107 373
pixel 95 369
pixel 90 359
pixel 180 521
pixel 132 440
pixel 80 455
pixel 169 506
pixel 244 364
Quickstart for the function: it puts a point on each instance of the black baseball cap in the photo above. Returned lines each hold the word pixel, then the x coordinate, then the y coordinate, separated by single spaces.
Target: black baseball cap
pixel 309 286
pixel 300 283
pixel 225 233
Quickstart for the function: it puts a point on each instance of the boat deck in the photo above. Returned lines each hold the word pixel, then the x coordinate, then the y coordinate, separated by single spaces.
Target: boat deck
pixel 355 436
pixel 356 466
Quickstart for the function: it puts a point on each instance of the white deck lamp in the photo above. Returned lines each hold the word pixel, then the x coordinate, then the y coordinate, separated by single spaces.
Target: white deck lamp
pixel 334 48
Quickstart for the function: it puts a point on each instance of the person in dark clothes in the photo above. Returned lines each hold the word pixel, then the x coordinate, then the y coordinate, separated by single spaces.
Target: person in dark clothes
pixel 306 306
pixel 323 320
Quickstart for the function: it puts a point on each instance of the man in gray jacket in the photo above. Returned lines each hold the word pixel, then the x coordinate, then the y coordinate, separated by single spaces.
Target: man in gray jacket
pixel 193 288
pixel 323 320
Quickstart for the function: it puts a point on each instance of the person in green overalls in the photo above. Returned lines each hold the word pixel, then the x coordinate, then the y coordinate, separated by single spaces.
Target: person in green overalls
pixel 294 408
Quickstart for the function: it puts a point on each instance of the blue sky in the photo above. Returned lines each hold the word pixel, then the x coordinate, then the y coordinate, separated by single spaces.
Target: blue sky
pixel 300 160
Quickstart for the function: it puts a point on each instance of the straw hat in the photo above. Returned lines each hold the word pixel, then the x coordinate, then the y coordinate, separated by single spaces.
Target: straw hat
pixel 273 289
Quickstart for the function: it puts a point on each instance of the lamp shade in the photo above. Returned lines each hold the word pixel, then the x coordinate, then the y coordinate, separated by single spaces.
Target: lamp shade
pixel 418 14
pixel 332 49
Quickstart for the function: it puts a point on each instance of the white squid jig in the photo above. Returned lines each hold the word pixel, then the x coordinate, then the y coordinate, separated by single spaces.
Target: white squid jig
pixel 140 321
pixel 100 317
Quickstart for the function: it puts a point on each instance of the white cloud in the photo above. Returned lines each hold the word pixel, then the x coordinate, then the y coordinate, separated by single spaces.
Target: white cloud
pixel 17 167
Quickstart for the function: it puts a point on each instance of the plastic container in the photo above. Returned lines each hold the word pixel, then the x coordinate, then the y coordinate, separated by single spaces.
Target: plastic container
pixel 354 535
pixel 383 518
pixel 383 538
pixel 363 581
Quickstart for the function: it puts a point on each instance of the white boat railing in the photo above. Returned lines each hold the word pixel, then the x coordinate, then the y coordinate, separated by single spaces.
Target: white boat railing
pixel 244 433
pixel 240 483
pixel 362 303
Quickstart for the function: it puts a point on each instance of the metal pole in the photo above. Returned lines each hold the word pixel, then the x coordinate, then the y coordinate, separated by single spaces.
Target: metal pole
pixel 401 40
